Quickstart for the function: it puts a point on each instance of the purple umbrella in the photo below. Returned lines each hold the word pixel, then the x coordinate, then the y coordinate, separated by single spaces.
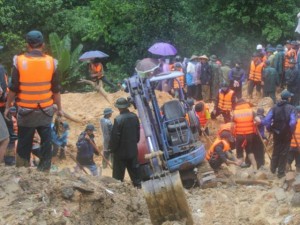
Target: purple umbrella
pixel 162 49
pixel 92 55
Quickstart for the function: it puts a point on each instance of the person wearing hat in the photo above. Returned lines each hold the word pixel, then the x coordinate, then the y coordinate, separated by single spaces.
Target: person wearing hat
pixel 205 77
pixel 192 80
pixel 178 84
pixel 270 80
pixel 236 78
pixel 281 120
pixel 224 103
pixel 106 128
pixel 86 148
pixel 255 75
pixel 220 152
pixel 216 77
pixel 292 77
pixel 291 53
pixel 279 63
pixel 225 71
pixel 35 85
pixel 294 151
pixel 123 143
pixel 270 55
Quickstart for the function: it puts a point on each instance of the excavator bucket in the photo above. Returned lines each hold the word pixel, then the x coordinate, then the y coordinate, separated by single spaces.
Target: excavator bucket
pixel 166 199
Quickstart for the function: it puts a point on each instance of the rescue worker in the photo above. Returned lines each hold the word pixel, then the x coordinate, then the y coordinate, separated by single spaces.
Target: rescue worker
pixel 86 148
pixel 202 111
pixel 255 75
pixel 294 151
pixel 123 143
pixel 97 75
pixel 236 78
pixel 292 76
pixel 35 85
pixel 281 121
pixel 243 117
pixel 216 77
pixel 205 77
pixel 279 63
pixel 178 83
pixel 224 103
pixel 191 76
pixel 270 81
pixel 4 137
pixel 225 71
pixel 3 88
pixel 220 152
pixel 106 128
pixel 291 53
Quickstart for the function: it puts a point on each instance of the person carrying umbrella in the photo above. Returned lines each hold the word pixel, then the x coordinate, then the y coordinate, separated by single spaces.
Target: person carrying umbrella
pixel 97 74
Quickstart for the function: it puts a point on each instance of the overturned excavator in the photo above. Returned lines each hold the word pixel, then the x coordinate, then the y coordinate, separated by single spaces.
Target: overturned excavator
pixel 170 150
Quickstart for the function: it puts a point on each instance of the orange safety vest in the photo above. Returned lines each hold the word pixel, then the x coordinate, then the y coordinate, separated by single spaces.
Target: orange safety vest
pixel 256 71
pixel 97 68
pixel 227 126
pixel 288 56
pixel 297 135
pixel 202 115
pixel 211 150
pixel 181 82
pixel 35 76
pixel 225 100
pixel 244 119
pixel 2 103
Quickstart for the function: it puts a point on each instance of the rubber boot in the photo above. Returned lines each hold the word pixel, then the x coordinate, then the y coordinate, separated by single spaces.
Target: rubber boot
pixel 20 162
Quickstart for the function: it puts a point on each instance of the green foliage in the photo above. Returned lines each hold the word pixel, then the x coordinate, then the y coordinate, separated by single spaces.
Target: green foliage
pixel 69 68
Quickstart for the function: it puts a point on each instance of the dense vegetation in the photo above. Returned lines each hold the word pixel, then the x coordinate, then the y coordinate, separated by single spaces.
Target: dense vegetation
pixel 125 29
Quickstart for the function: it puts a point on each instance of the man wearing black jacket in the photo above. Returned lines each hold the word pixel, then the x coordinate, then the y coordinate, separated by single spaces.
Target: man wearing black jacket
pixel 123 143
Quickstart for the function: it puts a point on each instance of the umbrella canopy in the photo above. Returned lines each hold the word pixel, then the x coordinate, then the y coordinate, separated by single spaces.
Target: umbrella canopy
pixel 92 55
pixel 146 65
pixel 162 49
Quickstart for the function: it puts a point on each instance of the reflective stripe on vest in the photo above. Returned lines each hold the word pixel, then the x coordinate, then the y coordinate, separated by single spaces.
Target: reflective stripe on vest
pixel 297 135
pixel 256 71
pixel 35 81
pixel 2 103
pixel 225 100
pixel 243 118
pixel 211 150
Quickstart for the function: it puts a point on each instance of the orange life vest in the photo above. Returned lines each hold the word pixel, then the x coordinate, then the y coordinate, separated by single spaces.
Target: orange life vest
pixel 226 127
pixel 297 135
pixel 96 68
pixel 256 71
pixel 2 103
pixel 202 115
pixel 35 76
pixel 225 100
pixel 243 118
pixel 181 82
pixel 288 56
pixel 211 150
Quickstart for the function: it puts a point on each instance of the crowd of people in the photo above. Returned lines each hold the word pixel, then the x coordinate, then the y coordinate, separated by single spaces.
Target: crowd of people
pixel 35 85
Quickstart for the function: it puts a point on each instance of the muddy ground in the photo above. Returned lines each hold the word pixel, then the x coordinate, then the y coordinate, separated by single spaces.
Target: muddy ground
pixel 66 197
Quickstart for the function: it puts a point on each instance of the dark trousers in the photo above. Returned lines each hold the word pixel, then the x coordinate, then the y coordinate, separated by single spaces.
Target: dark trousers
pixel 280 151
pixel 258 150
pixel 25 139
pixel 226 115
pixel 191 91
pixel 252 84
pixel 244 141
pixel 270 94
pixel 132 167
pixel 237 90
pixel 293 154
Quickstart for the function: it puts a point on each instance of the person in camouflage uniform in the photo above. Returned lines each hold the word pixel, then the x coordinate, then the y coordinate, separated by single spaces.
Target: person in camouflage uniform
pixel 216 77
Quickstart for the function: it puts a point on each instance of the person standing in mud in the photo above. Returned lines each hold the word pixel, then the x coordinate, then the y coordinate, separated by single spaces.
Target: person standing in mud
pixel 35 86
pixel 123 143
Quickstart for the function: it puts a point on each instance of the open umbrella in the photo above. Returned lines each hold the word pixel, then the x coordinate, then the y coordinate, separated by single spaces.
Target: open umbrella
pixel 163 49
pixel 146 65
pixel 92 55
